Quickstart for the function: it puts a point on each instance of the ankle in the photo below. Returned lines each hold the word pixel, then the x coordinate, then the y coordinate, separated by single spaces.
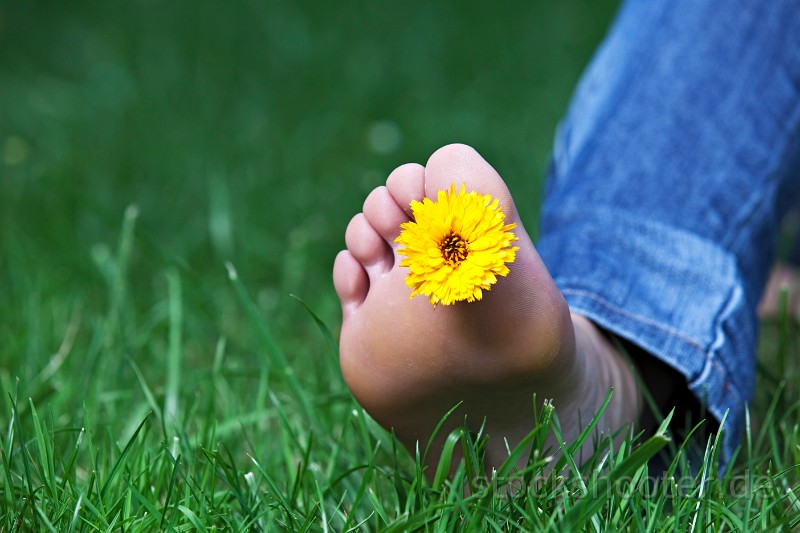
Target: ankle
pixel 606 368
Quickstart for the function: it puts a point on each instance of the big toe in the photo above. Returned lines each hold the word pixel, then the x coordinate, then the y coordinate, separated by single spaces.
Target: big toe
pixel 461 164
pixel 528 287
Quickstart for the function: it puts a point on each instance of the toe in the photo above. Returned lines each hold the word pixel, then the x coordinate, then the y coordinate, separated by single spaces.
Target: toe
pixel 407 183
pixel 459 163
pixel 383 214
pixel 367 246
pixel 350 281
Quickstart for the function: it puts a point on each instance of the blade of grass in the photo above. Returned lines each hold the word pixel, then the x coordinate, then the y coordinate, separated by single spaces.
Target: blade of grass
pixel 437 428
pixel 46 466
pixel 274 351
pixel 121 460
pixel 148 393
pixel 23 446
pixel 323 328
pixel 145 502
pixel 175 351
pixel 365 480
pixel 189 514
pixel 446 458
pixel 277 494
pixel 170 487
pixel 68 469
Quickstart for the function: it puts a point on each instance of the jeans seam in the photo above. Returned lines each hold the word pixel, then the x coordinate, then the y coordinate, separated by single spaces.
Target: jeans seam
pixel 639 318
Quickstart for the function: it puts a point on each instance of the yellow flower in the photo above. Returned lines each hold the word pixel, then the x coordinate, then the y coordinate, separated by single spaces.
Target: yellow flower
pixel 456 247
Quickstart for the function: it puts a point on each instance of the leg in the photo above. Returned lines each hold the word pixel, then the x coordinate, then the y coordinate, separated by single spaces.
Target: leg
pixel 668 180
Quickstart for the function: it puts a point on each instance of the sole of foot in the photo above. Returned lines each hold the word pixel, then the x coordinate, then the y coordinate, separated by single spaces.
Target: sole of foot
pixel 408 363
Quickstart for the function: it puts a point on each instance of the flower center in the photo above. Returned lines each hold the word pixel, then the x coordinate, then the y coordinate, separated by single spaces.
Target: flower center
pixel 453 248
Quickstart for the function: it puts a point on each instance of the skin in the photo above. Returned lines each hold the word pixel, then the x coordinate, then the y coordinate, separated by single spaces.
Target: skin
pixel 407 363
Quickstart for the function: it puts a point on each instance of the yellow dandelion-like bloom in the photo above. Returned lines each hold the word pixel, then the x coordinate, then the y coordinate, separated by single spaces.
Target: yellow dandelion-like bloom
pixel 456 247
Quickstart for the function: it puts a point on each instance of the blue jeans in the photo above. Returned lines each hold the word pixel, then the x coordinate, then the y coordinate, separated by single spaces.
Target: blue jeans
pixel 680 152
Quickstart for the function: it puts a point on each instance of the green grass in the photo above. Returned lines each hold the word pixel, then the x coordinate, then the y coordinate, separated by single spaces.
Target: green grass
pixel 175 179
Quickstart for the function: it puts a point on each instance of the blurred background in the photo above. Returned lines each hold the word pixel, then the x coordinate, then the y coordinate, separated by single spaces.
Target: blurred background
pixel 248 132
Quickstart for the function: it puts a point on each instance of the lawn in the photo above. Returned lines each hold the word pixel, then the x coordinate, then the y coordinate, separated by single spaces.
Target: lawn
pixel 175 180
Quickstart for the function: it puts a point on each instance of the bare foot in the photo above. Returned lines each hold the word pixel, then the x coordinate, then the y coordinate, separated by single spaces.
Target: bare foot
pixel 408 363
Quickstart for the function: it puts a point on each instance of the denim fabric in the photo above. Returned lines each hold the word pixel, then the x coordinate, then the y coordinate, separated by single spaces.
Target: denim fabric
pixel 670 173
